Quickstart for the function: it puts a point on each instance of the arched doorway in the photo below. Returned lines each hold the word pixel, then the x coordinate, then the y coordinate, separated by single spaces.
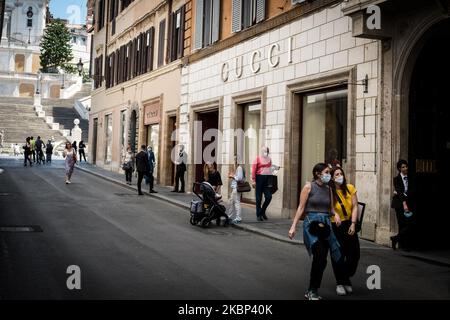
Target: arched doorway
pixel 133 131
pixel 429 136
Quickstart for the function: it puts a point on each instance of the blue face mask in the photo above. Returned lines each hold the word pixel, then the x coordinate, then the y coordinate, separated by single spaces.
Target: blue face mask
pixel 325 178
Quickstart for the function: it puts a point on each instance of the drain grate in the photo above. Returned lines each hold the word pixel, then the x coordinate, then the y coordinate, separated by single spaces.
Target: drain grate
pixel 20 229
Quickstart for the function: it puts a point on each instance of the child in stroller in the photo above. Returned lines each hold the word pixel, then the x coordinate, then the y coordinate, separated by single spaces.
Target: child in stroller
pixel 209 207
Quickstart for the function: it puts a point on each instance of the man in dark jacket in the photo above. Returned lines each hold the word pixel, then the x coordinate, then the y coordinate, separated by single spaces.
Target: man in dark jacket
pixel 402 202
pixel 49 151
pixel 151 164
pixel 142 167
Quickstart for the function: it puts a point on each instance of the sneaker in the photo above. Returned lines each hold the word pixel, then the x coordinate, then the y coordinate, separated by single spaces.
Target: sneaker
pixel 348 289
pixel 312 295
pixel 236 221
pixel 340 290
pixel 67 182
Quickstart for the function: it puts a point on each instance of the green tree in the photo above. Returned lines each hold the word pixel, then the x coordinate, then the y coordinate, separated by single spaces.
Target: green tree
pixel 56 50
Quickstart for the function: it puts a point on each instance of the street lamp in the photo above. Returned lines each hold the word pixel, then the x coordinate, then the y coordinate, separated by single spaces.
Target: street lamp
pixel 38 84
pixel 62 86
pixel 80 67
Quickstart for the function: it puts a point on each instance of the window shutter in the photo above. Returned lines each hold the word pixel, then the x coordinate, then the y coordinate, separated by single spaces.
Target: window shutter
pixel 236 23
pixel 180 46
pixel 107 72
pixel 143 53
pixel 117 67
pixel 198 41
pixel 215 21
pixel 133 58
pixel 162 32
pixel 172 36
pixel 260 10
pixel 137 56
pixel 150 49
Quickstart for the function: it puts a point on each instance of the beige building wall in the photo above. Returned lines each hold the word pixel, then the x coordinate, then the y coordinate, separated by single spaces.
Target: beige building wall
pixel 313 51
pixel 161 84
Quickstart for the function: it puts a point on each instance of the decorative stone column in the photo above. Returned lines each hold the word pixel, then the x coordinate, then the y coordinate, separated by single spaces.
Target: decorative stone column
pixel 76 131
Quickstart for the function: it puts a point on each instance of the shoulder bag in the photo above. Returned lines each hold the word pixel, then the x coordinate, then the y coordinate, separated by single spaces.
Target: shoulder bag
pixel 243 185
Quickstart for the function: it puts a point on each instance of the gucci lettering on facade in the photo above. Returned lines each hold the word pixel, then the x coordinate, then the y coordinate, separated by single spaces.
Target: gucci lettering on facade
pixel 273 58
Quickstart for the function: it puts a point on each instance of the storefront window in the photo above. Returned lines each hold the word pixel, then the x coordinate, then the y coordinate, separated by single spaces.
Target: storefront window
pixel 152 140
pixel 324 130
pixel 108 144
pixel 123 121
pixel 251 124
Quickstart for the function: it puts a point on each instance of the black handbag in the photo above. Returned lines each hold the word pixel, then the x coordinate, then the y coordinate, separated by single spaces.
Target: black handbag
pixel 273 183
pixel 243 185
pixel 319 229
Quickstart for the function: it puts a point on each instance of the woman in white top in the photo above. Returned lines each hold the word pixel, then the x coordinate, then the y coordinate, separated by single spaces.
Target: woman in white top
pixel 128 164
pixel 234 211
pixel 71 158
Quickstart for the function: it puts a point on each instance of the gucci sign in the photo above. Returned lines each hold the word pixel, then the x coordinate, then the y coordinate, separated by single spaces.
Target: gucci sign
pixel 256 58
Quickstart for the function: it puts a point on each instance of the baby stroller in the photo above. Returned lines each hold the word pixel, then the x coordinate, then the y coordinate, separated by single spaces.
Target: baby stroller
pixel 208 208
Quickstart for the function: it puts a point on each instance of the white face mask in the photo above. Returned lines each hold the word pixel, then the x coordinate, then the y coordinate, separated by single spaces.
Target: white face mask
pixel 265 153
pixel 339 180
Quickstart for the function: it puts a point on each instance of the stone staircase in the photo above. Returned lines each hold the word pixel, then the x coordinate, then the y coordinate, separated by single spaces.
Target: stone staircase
pixel 19 119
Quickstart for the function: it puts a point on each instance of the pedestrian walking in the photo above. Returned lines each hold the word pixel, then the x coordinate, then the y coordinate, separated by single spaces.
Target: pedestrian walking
pixel 142 167
pixel 70 159
pixel 234 212
pixel 74 146
pixel 27 152
pixel 2 140
pixel 151 164
pixel 261 175
pixel 403 203
pixel 39 144
pixel 81 147
pixel 345 201
pixel 33 148
pixel 315 209
pixel 128 164
pixel 16 149
pixel 49 151
pixel 180 170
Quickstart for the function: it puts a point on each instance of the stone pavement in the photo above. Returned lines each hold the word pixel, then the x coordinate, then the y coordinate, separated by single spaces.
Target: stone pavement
pixel 274 228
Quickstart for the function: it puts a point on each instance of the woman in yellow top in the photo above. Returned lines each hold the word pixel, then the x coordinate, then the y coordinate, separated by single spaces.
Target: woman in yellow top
pixel 345 202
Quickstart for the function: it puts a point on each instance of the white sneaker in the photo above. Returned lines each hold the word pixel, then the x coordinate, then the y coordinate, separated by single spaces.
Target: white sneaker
pixel 340 290
pixel 348 289
pixel 67 182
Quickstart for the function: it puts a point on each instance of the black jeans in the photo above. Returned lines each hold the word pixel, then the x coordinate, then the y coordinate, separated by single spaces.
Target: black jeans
pixel 34 155
pixel 40 156
pixel 139 182
pixel 82 154
pixel 49 157
pixel 26 156
pixel 262 182
pixel 346 267
pixel 404 228
pixel 151 180
pixel 179 177
pixel 320 253
pixel 128 174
